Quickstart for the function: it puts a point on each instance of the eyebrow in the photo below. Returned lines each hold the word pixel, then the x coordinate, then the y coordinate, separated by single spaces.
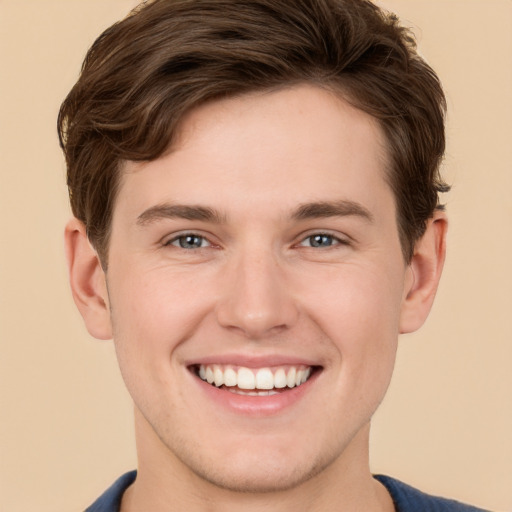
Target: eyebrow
pixel 179 211
pixel 315 210
pixel 341 208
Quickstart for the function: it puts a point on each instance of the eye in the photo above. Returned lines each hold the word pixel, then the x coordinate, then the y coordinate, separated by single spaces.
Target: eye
pixel 321 240
pixel 189 241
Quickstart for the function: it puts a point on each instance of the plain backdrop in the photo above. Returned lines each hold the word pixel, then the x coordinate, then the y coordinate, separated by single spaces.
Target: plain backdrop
pixel 65 419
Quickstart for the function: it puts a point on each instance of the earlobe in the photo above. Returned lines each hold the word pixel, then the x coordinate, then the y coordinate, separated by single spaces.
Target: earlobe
pixel 87 280
pixel 424 273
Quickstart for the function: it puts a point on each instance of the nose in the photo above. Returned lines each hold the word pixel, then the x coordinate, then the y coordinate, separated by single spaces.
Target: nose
pixel 257 299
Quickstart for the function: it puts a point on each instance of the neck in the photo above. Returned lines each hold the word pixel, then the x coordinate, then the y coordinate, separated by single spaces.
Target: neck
pixel 166 484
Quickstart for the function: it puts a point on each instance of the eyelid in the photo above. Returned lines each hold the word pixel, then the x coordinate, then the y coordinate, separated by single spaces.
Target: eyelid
pixel 169 239
pixel 340 239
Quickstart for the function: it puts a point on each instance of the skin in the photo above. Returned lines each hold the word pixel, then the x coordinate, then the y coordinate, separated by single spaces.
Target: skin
pixel 256 287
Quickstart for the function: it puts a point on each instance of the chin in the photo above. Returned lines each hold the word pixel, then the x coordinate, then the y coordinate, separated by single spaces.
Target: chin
pixel 258 477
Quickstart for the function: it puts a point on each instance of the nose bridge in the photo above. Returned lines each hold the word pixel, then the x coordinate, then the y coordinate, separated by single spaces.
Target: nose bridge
pixel 256 299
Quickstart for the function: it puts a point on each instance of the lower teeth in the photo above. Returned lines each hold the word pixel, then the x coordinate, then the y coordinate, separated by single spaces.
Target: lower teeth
pixel 252 393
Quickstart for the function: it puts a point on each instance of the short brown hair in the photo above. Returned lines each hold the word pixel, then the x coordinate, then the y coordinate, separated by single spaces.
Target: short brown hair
pixel 168 56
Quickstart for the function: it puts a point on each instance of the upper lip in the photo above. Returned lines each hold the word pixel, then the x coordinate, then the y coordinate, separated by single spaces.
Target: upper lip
pixel 251 361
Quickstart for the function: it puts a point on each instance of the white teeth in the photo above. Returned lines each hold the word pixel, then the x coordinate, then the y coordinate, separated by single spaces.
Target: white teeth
pixel 246 379
pixel 261 381
pixel 290 378
pixel 218 376
pixel 230 377
pixel 253 393
pixel 280 379
pixel 264 379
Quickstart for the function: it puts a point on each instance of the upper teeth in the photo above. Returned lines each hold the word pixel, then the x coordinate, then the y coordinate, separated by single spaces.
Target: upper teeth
pixel 247 378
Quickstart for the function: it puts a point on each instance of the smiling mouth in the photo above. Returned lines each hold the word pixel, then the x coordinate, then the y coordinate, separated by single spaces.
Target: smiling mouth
pixel 254 381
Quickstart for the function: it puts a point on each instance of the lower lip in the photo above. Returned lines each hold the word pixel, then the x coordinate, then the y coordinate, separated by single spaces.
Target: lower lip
pixel 265 405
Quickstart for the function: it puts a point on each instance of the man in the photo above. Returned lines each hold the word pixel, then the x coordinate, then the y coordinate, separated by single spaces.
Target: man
pixel 255 191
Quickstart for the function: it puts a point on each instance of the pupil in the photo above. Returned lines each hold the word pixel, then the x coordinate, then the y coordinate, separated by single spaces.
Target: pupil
pixel 190 242
pixel 321 241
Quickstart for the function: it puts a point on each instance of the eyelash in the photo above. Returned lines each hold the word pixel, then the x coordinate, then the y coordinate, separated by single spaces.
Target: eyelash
pixel 334 240
pixel 184 236
pixel 178 240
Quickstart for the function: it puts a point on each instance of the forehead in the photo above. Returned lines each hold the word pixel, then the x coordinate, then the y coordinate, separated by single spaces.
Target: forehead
pixel 292 145
pixel 301 120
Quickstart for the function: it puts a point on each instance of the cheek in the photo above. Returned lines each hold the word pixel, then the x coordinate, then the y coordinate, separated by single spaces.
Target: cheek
pixel 158 305
pixel 150 319
pixel 357 300
pixel 153 313
pixel 359 313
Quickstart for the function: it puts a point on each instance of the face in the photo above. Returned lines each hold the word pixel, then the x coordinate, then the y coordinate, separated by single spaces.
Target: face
pixel 256 283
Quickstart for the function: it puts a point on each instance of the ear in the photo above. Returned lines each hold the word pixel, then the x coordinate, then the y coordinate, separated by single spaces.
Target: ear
pixel 424 273
pixel 87 280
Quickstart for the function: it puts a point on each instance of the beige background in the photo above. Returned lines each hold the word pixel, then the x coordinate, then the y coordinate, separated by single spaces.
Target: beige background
pixel 446 425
